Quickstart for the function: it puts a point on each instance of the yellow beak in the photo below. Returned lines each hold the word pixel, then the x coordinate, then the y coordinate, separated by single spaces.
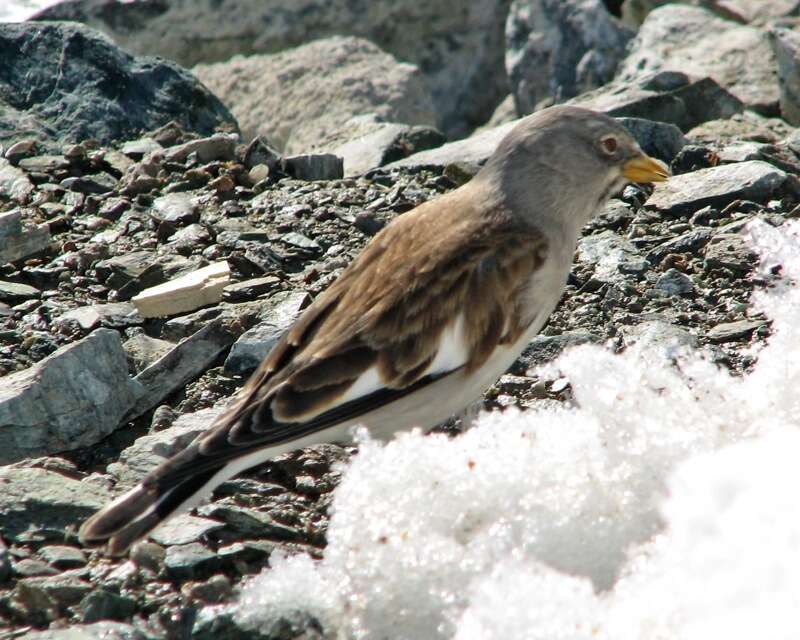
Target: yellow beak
pixel 645 169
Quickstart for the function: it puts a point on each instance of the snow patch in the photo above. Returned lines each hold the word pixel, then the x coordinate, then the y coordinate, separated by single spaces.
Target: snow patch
pixel 663 505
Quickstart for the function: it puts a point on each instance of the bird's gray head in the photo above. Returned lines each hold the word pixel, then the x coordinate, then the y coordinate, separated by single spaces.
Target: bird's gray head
pixel 565 162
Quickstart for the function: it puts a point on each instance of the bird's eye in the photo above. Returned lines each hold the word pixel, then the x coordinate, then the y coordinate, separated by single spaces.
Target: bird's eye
pixel 609 144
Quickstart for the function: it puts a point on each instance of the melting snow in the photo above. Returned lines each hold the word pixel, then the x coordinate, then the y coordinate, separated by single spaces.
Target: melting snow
pixel 664 506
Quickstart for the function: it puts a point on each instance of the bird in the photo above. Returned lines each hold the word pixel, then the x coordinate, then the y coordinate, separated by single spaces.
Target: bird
pixel 434 309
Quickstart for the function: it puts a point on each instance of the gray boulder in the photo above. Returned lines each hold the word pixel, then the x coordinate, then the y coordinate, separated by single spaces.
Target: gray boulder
pixel 696 42
pixel 661 140
pixel 752 180
pixel 557 49
pixel 73 398
pixel 296 97
pixel 475 149
pixel 63 83
pixel 463 69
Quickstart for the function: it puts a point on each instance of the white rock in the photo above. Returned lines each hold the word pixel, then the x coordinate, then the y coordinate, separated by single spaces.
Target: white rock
pixel 186 293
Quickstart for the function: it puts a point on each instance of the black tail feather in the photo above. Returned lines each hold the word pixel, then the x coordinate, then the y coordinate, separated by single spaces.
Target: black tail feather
pixel 135 514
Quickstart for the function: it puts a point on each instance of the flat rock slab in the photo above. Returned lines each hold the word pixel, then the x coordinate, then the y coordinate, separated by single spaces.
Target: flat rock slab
pixel 254 345
pixel 186 293
pixel 608 252
pixel 249 289
pixel 176 208
pixel 113 315
pixel 752 180
pixel 732 331
pixel 659 336
pixel 14 292
pixel 184 529
pixel 543 349
pixel 186 561
pixel 248 522
pixel 144 350
pixel 181 364
pixel 104 630
pixel 32 498
pixel 667 96
pixel 121 270
pixel 73 398
pixel 674 283
pixel 10 225
pixel 662 139
pixel 364 143
pixel 475 149
pixel 729 251
pixel 220 146
pixel 689 242
pixel 17 242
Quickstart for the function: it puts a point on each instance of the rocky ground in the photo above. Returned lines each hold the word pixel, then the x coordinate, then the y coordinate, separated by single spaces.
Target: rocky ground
pixel 93 392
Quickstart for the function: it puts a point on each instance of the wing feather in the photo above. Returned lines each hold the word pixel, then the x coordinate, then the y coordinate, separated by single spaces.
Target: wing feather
pixel 387 318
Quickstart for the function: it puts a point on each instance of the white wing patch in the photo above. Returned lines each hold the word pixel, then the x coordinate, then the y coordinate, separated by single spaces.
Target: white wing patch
pixel 451 354
pixel 365 384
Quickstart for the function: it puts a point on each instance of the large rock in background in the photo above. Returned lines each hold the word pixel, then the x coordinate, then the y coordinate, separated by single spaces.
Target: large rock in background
pixel 786 45
pixel 634 12
pixel 297 97
pixel 692 40
pixel 459 45
pixel 557 49
pixel 63 83
pixel 666 96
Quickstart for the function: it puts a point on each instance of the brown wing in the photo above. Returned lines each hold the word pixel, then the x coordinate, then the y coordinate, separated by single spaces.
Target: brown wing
pixel 388 311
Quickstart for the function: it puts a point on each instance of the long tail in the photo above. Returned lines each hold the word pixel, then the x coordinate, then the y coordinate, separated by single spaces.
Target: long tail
pixel 177 485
